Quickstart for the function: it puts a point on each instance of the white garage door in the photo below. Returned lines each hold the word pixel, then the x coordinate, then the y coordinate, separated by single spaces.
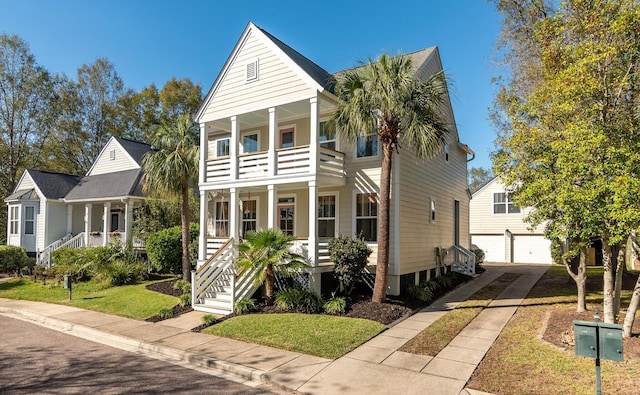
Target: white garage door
pixel 531 249
pixel 493 247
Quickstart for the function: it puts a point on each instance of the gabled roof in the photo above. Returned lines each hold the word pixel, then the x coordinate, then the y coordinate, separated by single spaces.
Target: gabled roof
pixel 305 67
pixel 107 186
pixel 136 149
pixel 52 185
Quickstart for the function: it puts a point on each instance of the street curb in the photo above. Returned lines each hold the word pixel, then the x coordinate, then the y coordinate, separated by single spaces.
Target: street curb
pixel 133 345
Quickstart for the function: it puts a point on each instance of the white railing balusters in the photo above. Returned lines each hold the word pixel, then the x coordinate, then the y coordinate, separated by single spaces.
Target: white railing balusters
pixel 466 265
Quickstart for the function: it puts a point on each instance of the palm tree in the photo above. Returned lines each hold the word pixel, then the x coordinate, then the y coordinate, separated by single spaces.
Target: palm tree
pixel 268 252
pixel 171 167
pixel 386 96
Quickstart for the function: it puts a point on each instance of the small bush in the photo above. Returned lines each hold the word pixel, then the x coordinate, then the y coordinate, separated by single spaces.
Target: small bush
pixel 208 319
pixel 420 292
pixel 12 258
pixel 164 248
pixel 120 272
pixel 350 256
pixel 446 281
pixel 479 253
pixel 244 306
pixel 185 299
pixel 165 313
pixel 335 305
pixel 299 300
pixel 182 285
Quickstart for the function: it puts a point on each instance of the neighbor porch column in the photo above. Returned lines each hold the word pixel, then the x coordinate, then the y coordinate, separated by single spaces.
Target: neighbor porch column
pixel 233 148
pixel 128 222
pixel 313 223
pixel 106 219
pixel 313 134
pixel 204 154
pixel 233 214
pixel 69 218
pixel 87 223
pixel 271 206
pixel 202 238
pixel 273 133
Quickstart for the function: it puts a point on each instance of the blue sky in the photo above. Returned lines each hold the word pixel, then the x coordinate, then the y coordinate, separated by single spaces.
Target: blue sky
pixel 150 41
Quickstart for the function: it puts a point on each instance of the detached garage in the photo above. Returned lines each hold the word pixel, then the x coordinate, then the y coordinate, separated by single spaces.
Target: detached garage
pixel 496 225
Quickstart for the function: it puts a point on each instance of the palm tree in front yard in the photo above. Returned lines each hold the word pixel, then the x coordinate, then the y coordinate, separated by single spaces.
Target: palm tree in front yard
pixel 171 167
pixel 269 253
pixel 387 98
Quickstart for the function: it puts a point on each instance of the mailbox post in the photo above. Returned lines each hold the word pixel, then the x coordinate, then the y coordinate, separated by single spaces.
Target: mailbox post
pixel 68 284
pixel 598 340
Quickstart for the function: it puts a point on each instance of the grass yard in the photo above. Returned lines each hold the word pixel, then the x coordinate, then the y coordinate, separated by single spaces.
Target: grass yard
pixel 521 363
pixel 133 301
pixel 437 335
pixel 320 335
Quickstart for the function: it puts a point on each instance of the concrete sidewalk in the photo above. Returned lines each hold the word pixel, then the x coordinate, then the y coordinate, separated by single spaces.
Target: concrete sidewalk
pixel 376 367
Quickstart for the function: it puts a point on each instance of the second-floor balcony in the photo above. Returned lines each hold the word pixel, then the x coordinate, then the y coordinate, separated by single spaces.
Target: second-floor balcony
pixel 292 161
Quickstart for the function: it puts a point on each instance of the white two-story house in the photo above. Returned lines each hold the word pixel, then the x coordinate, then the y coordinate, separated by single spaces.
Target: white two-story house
pixel 270 160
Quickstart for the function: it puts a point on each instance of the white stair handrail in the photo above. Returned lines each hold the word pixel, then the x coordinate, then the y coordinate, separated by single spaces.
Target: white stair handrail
pixel 467 265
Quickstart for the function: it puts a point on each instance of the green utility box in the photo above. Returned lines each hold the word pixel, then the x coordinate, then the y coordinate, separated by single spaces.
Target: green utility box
pixel 598 340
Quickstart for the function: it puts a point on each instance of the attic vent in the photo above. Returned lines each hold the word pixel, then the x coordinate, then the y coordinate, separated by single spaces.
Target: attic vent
pixel 252 70
pixel 112 154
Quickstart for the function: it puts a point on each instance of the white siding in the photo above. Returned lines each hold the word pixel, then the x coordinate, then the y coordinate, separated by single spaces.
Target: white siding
pixel 77 220
pixel 57 221
pixel 277 82
pixel 41 224
pixel 121 160
pixel 25 183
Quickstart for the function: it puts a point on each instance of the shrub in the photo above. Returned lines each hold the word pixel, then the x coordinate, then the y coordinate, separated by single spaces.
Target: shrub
pixel 120 272
pixel 208 319
pixel 420 292
pixel 335 305
pixel 299 300
pixel 164 248
pixel 12 258
pixel 165 313
pixel 349 255
pixel 182 285
pixel 479 253
pixel 446 281
pixel 185 299
pixel 244 306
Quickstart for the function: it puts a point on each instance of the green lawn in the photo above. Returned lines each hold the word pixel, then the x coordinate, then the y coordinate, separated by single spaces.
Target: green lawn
pixel 321 335
pixel 133 301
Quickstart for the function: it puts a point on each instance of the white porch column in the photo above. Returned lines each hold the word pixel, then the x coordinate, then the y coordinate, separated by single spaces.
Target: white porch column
pixel 69 218
pixel 128 222
pixel 106 219
pixel 233 148
pixel 87 223
pixel 204 154
pixel 233 213
pixel 271 211
pixel 273 133
pixel 313 134
pixel 313 223
pixel 202 238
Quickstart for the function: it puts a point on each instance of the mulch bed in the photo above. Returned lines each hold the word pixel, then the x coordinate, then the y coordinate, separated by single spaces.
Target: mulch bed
pixel 166 287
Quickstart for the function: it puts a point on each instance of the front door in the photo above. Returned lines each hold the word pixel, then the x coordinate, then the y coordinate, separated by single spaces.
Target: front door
pixel 287 218
pixel 115 219
pixel 29 228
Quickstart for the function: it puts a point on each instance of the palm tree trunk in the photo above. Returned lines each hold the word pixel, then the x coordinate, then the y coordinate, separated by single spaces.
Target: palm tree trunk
pixel 269 282
pixel 184 217
pixel 382 266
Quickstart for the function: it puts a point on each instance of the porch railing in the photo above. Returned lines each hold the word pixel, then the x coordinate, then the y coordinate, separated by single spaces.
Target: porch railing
pixel 68 241
pixel 464 261
pixel 217 265
pixel 294 160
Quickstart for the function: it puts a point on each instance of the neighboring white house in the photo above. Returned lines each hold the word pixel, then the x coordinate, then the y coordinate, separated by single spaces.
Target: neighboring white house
pixel 270 160
pixel 497 227
pixel 47 210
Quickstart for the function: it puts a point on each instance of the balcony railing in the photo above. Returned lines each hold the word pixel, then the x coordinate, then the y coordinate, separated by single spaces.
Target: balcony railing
pixel 289 161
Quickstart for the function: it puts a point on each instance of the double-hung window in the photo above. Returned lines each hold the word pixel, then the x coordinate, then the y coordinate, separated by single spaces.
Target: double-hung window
pixel 367 216
pixel 250 142
pixel 287 137
pixel 222 147
pixel 221 222
pixel 249 216
pixel 367 146
pixel 14 217
pixel 29 219
pixel 327 135
pixel 327 216
pixel 503 204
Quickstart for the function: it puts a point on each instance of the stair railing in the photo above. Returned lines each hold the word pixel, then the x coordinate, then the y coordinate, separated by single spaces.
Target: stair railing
pixel 206 275
pixel 465 261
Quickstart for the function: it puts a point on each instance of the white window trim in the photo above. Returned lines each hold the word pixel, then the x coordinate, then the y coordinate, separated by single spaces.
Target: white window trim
pixel 506 204
pixel 336 230
pixel 256 63
pixel 17 219
pixel 295 210
pixel 249 133
pixel 247 198
pixel 336 138
pixel 366 158
pixel 354 223
pixel 280 129
pixel 216 141
pixel 215 215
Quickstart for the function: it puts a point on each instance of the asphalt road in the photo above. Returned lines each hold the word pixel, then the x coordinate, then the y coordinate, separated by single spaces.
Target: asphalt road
pixel 34 359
